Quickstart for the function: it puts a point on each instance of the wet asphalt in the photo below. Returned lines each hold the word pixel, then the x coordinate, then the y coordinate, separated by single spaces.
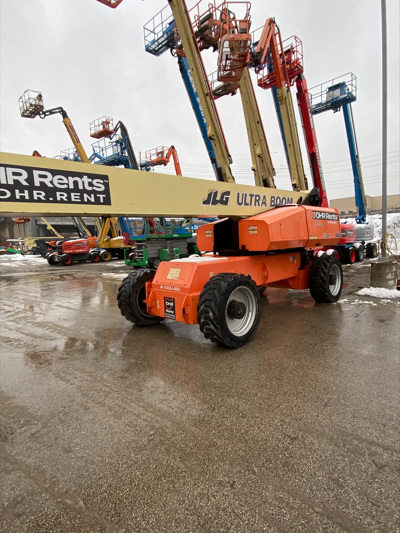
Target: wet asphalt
pixel 107 427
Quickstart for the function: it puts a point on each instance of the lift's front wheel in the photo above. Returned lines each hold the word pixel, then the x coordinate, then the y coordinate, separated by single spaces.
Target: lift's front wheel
pixel 105 256
pixel 155 262
pixel 229 309
pixel 350 255
pixel 132 296
pixel 326 279
pixel 94 257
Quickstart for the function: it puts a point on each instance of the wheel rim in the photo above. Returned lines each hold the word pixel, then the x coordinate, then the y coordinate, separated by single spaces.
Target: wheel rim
pixel 140 301
pixel 239 297
pixel 335 277
pixel 352 255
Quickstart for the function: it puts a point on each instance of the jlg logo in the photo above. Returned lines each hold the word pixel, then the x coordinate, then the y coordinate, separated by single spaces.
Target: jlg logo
pixel 212 198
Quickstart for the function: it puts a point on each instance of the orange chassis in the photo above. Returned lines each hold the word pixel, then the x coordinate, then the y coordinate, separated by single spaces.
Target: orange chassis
pixel 176 288
pixel 281 233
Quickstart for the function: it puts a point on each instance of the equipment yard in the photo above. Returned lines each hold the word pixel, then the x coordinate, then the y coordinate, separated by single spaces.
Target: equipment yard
pixel 265 394
pixel 106 426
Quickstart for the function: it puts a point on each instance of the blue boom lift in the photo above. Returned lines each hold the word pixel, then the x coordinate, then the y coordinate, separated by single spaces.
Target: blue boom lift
pixel 159 37
pixel 334 95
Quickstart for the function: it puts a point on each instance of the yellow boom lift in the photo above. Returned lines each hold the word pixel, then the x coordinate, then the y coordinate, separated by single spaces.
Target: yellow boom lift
pixel 221 29
pixel 31 106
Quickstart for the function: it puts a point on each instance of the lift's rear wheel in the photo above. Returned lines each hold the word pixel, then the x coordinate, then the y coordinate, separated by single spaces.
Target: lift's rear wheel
pixel 51 260
pixel 66 260
pixel 132 295
pixel 360 252
pixel 228 311
pixel 326 279
pixel 105 256
pixel 372 250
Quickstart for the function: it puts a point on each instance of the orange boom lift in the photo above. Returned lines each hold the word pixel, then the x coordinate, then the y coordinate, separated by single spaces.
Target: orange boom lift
pixel 220 288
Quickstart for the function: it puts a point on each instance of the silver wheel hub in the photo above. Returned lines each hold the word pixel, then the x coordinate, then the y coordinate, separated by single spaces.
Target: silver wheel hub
pixel 241 311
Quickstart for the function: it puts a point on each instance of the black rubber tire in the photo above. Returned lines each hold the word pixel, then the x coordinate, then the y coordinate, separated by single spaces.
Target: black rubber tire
pixel 51 260
pixel 360 253
pixel 105 256
pixel 350 255
pixel 190 249
pixel 326 279
pixel 131 295
pixel 372 250
pixel 94 257
pixel 155 263
pixel 214 316
pixel 66 260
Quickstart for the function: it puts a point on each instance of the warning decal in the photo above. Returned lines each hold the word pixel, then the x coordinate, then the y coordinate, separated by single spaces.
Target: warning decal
pixel 169 307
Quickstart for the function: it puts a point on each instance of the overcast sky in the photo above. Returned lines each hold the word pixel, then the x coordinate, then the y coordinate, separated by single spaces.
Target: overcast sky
pixel 90 60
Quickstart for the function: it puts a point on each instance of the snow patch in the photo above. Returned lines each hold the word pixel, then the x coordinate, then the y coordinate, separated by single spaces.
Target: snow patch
pixel 113 275
pixel 379 292
pixel 16 259
pixel 365 302
pixel 392 227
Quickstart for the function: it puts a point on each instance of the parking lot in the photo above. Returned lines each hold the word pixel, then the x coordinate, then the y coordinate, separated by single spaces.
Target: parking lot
pixel 107 427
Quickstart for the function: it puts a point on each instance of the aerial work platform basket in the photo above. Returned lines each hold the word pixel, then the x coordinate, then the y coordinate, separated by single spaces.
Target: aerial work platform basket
pixel 160 33
pixel 333 94
pixel 222 88
pixel 101 127
pixel 157 156
pixel 31 104
pixel 234 44
pixel 293 58
pixel 69 154
pixel 233 57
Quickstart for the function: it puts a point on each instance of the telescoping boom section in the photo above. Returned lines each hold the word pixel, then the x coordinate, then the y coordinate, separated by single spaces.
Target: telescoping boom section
pixel 192 53
pixel 35 186
pixel 271 42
